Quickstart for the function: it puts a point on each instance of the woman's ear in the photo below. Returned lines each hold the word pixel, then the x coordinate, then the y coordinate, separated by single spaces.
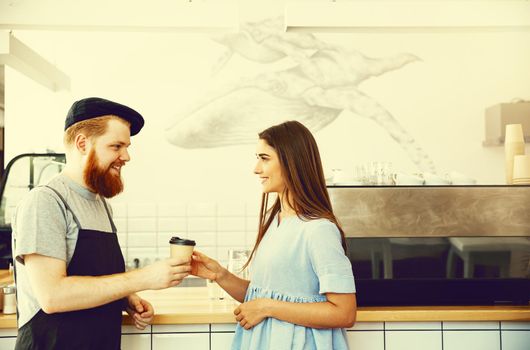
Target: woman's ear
pixel 81 143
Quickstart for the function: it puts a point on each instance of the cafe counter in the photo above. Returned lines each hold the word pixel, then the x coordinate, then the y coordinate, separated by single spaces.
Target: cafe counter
pixel 191 305
pixel 187 317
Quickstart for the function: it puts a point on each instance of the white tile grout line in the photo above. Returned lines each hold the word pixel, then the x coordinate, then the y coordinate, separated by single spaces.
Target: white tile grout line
pixel 156 232
pixel 500 335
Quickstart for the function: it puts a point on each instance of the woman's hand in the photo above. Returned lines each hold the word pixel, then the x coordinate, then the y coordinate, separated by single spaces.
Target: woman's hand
pixel 140 310
pixel 252 312
pixel 205 267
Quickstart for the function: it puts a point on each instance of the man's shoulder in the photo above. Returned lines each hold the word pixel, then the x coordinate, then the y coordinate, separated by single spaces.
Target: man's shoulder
pixel 57 183
pixel 43 196
pixel 38 203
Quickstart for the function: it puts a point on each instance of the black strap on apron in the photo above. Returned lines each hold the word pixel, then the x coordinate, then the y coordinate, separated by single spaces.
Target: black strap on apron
pixel 110 217
pixel 96 253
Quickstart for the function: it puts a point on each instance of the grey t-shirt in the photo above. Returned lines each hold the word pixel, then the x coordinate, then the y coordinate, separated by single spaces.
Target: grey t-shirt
pixel 42 225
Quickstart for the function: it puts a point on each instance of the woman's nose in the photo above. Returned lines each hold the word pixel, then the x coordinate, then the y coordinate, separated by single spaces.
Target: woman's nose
pixel 257 169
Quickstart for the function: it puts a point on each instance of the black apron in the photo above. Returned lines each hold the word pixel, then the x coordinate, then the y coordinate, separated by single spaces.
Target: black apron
pixel 96 253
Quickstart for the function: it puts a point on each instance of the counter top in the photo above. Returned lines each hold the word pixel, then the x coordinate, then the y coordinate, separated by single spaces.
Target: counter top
pixel 191 305
pixel 5 277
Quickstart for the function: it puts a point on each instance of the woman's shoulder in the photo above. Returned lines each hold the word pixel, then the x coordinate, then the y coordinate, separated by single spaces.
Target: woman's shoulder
pixel 320 226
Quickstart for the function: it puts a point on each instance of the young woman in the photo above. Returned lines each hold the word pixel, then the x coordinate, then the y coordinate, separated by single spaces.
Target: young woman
pixel 302 292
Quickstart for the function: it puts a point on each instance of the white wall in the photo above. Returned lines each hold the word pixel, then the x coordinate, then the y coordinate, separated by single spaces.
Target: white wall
pixel 440 101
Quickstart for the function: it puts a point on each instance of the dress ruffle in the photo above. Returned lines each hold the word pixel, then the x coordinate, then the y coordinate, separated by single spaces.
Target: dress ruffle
pixel 273 334
pixel 254 292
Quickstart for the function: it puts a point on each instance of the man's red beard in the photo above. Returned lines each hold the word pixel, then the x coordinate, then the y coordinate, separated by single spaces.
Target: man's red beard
pixel 100 180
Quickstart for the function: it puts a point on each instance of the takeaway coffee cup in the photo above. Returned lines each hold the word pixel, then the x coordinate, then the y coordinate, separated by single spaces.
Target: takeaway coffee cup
pixel 181 247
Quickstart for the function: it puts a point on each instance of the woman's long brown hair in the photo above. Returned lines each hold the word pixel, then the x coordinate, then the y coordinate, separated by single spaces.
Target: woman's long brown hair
pixel 302 173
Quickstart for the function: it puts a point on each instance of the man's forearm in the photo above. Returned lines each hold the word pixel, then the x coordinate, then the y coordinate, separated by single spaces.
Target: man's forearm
pixel 83 292
pixel 57 292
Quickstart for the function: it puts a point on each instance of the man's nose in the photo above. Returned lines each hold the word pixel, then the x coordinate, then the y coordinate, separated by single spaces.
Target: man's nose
pixel 125 156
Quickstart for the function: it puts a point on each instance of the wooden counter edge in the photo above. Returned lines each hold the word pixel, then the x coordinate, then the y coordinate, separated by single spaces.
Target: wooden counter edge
pixel 364 314
pixel 380 314
pixel 443 313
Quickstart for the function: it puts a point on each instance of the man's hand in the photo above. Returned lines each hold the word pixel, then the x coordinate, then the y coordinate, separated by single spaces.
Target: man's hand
pixel 164 273
pixel 140 310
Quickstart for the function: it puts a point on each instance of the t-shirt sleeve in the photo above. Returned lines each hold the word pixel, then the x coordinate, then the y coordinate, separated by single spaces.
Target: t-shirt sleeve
pixel 40 226
pixel 328 260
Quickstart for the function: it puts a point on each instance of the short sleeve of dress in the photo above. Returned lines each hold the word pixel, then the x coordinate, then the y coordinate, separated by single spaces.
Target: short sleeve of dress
pixel 328 259
pixel 39 226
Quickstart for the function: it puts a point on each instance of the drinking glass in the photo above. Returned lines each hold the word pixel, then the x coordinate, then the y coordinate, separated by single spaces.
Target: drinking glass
pixel 236 259
pixel 387 176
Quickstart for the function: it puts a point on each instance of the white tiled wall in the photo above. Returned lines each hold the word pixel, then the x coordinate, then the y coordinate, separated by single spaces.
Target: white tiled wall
pixel 144 229
pixel 188 341
pixel 221 341
pixel 515 340
pixel 413 340
pixel 364 335
pixel 373 340
pixel 136 341
pixel 515 335
pixel 471 340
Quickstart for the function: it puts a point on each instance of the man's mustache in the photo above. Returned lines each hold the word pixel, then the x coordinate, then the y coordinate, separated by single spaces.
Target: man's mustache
pixel 120 164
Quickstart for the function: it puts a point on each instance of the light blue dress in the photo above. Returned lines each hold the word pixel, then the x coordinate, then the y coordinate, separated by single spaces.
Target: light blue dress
pixel 297 261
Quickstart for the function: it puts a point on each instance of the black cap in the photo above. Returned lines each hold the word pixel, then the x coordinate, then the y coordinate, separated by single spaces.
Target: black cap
pixel 181 241
pixel 93 107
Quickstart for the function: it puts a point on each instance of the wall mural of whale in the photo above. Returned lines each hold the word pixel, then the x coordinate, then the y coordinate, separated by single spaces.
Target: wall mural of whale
pixel 322 83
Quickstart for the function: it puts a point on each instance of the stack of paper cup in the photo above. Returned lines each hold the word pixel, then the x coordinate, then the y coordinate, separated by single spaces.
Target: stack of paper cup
pixel 513 146
pixel 521 170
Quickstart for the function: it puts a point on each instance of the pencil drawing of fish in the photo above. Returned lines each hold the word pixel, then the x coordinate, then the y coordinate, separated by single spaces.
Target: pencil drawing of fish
pixel 322 83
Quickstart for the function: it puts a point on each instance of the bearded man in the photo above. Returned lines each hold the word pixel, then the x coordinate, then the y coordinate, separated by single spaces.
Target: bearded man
pixel 70 273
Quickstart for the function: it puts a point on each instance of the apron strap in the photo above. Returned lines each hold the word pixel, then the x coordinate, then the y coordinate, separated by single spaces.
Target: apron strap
pixel 66 205
pixel 110 216
pixel 13 252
